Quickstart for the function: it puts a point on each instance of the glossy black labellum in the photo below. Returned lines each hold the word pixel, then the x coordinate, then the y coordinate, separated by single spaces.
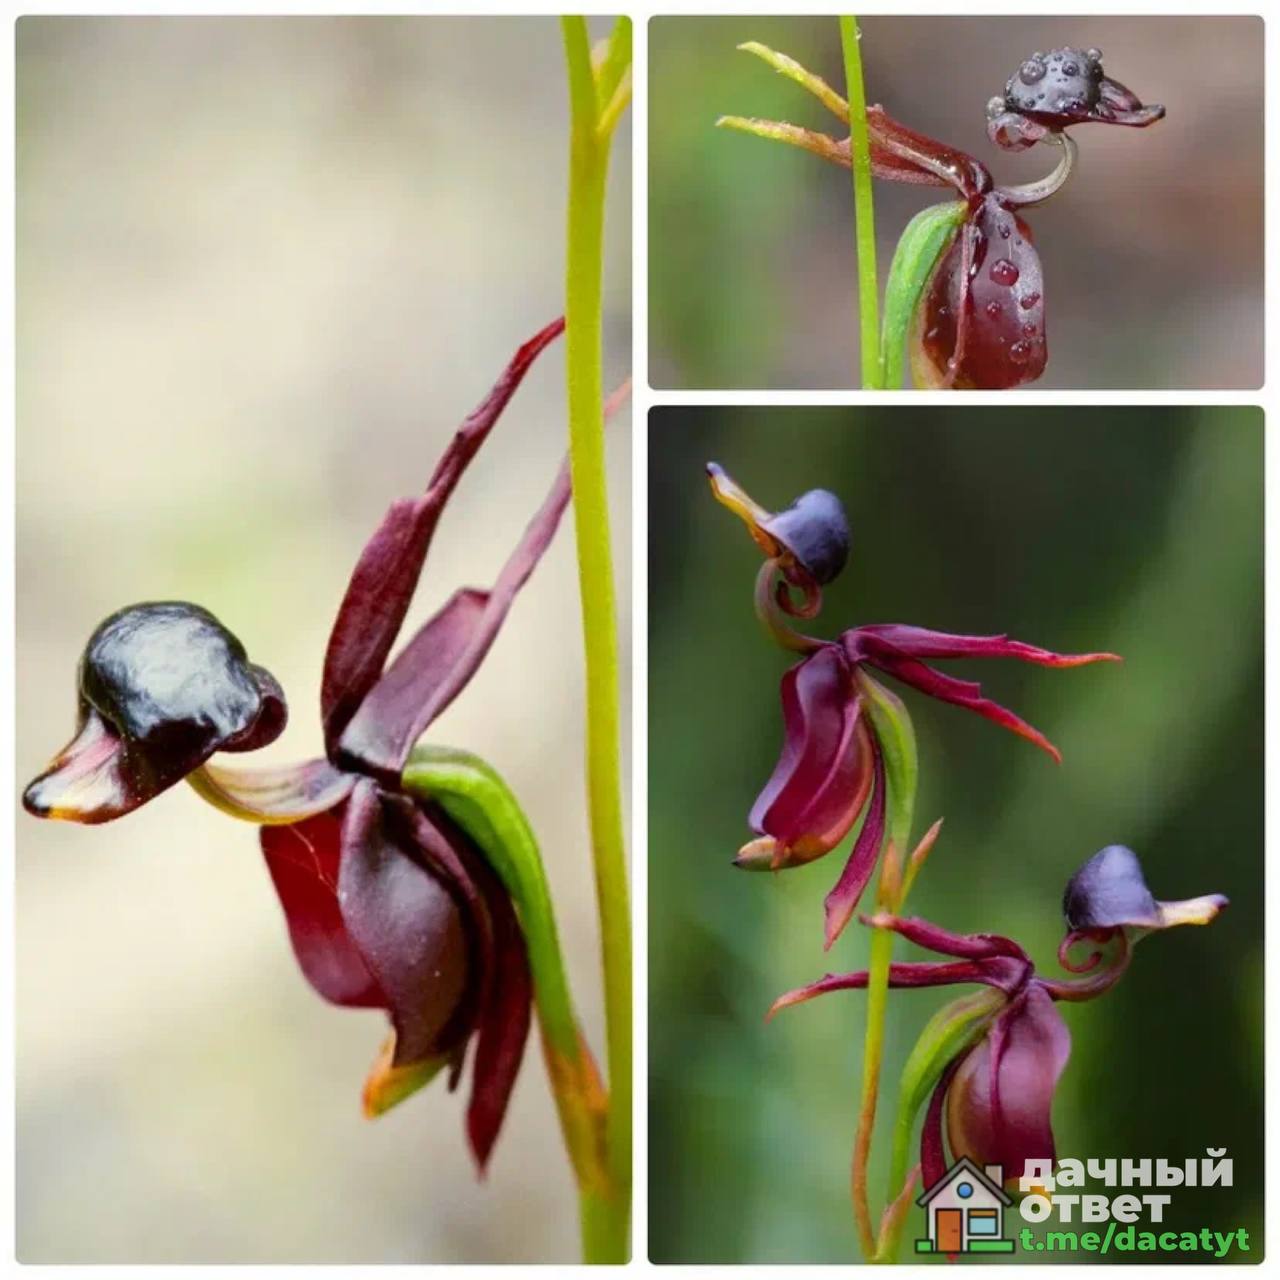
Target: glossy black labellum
pixel 815 530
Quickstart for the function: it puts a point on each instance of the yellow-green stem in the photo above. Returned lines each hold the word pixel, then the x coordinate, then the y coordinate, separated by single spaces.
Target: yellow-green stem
pixel 863 207
pixel 604 1219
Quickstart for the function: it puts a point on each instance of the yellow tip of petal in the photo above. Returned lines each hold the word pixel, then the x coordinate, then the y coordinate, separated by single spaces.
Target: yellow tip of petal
pixel 388 1084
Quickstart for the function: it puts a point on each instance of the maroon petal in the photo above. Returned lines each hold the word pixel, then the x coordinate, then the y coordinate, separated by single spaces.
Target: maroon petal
pixel 821 781
pixel 933 1151
pixel 906 975
pixel 303 861
pixel 438 662
pixel 919 642
pixel 968 946
pixel 502 1027
pixel 386 575
pixel 982 320
pixel 999 1107
pixel 407 926
pixel 842 901
pixel 908 149
pixel 962 693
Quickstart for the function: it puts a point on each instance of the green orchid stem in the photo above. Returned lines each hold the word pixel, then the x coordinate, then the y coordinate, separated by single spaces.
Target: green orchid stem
pixel 595 106
pixel 863 207
pixel 896 736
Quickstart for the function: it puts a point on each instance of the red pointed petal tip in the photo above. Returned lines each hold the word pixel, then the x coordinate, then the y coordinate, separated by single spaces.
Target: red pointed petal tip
pixel 386 575
pixel 825 772
pixel 840 904
pixel 898 649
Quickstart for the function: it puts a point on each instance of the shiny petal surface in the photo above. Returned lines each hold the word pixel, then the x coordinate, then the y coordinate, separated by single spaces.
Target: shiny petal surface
pixel 982 319
pixel 303 860
pixel 383 583
pixel 162 686
pixel 824 774
pixel 999 1106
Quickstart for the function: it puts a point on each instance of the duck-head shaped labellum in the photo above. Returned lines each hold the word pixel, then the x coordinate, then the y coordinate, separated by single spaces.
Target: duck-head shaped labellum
pixel 981 324
pixel 1110 892
pixel 810 539
pixel 1054 90
pixel 161 688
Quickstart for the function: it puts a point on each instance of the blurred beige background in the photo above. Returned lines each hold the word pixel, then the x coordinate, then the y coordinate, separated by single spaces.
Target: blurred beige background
pixel 264 268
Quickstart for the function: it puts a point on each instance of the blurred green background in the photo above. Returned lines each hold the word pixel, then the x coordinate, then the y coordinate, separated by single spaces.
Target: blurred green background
pixel 1132 529
pixel 1152 253
pixel 264 269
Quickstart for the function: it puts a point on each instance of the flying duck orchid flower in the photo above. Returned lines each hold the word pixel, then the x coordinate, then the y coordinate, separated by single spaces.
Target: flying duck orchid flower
pixel 831 770
pixel 979 314
pixel 390 902
pixel 1003 1055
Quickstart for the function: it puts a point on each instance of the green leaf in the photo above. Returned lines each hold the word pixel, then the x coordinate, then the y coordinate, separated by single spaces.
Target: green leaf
pixel 926 238
pixel 473 794
pixel 897 739
pixel 949 1032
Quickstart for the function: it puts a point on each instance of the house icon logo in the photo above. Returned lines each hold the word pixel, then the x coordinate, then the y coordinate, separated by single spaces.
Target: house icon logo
pixel 966 1211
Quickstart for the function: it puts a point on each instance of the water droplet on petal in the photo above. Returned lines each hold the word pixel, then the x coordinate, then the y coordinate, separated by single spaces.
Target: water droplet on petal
pixel 1031 71
pixel 1003 271
pixel 1029 300
pixel 994 309
pixel 1020 351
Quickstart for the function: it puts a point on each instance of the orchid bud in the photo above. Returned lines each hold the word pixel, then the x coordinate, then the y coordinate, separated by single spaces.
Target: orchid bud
pixel 161 688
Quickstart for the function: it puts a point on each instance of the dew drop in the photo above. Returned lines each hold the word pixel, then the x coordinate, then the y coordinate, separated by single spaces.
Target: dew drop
pixel 994 309
pixel 1094 55
pixel 1029 329
pixel 1020 351
pixel 1031 71
pixel 1003 271
pixel 1029 300
pixel 1005 231
pixel 1071 69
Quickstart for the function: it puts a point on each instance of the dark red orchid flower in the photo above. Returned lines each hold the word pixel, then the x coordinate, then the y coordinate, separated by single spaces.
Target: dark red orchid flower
pixel 831 769
pixel 994 1099
pixel 389 905
pixel 980 323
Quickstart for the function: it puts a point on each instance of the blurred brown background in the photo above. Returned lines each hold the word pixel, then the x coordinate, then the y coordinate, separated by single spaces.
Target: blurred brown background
pixel 1152 252
pixel 264 268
